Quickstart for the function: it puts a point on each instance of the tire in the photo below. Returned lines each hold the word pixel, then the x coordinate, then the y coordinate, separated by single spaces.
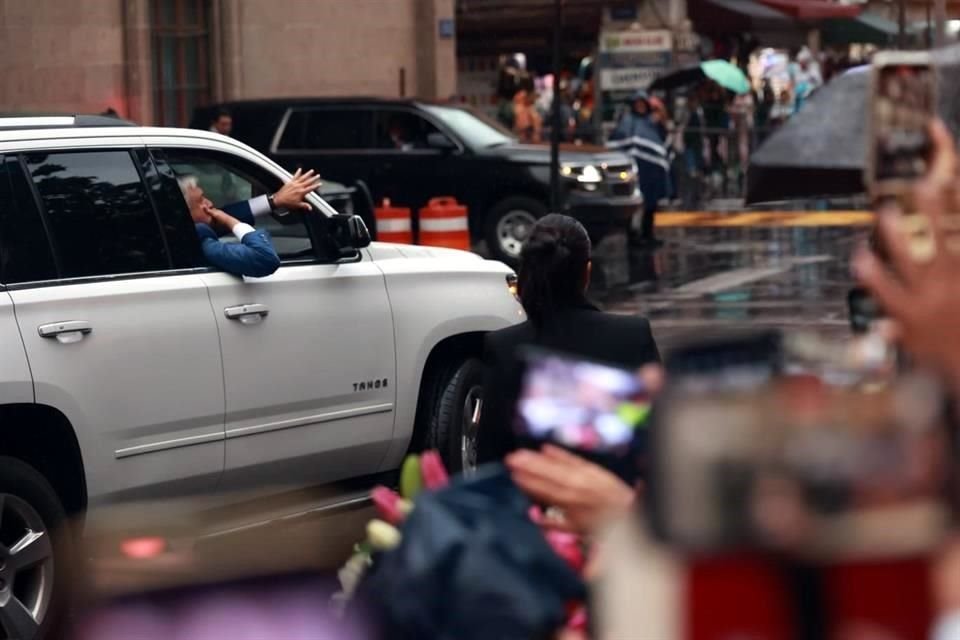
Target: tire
pixel 508 224
pixel 452 416
pixel 29 507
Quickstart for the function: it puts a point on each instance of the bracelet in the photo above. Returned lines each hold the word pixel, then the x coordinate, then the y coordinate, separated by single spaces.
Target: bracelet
pixel 272 202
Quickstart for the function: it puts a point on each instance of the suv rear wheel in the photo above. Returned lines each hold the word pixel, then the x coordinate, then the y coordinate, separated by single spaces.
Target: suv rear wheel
pixel 508 225
pixel 34 552
pixel 453 428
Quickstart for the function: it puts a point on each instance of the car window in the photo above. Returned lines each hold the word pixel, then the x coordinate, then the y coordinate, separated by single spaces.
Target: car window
pixel 227 180
pixel 477 131
pixel 25 254
pixel 97 212
pixel 402 130
pixel 178 229
pixel 327 129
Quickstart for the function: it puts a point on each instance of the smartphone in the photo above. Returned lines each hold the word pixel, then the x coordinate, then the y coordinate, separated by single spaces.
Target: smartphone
pixel 862 309
pixel 903 101
pixel 596 410
pixel 747 455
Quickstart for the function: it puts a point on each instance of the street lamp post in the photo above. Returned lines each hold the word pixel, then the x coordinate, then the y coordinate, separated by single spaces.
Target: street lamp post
pixel 555 115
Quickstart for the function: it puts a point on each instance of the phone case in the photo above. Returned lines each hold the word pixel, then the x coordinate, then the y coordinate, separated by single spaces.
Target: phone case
pixel 891 187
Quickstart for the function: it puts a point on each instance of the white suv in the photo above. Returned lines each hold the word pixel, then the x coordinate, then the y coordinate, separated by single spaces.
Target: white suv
pixel 129 369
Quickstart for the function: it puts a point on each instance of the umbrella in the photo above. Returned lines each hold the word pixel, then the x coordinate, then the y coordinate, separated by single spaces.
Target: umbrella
pixel 471 565
pixel 818 152
pixel 821 150
pixel 727 75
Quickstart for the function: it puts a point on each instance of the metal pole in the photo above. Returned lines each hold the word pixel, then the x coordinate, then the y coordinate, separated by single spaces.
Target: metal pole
pixel 556 116
pixel 940 16
pixel 902 22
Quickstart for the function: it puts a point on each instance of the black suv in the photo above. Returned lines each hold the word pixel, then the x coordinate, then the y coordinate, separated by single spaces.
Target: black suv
pixel 410 151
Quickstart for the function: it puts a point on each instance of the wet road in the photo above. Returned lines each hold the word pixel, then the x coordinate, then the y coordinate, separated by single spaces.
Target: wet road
pixel 723 272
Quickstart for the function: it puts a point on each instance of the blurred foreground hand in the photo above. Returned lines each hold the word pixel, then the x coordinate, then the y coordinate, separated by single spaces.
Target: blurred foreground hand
pixel 918 290
pixel 588 494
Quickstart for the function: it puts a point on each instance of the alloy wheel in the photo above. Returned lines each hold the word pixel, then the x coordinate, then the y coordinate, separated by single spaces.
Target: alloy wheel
pixel 471 421
pixel 512 231
pixel 26 568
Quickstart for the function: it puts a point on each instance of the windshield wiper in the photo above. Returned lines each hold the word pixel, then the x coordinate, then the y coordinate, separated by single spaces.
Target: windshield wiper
pixel 498 144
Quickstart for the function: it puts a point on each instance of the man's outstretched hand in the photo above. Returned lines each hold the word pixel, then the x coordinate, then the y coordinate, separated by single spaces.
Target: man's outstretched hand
pixel 293 194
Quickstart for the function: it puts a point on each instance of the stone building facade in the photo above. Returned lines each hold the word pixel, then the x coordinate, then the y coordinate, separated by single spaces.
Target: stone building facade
pixel 153 61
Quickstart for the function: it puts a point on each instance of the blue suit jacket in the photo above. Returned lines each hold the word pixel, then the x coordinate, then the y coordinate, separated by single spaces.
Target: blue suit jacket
pixel 253 256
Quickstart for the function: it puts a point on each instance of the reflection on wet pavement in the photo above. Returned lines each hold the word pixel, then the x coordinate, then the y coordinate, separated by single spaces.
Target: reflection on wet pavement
pixel 712 279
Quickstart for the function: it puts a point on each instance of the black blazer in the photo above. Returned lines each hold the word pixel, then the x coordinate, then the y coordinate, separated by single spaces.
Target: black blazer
pixel 583 331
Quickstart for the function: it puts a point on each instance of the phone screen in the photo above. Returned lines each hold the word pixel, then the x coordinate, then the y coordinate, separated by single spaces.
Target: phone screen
pixel 903 104
pixel 581 405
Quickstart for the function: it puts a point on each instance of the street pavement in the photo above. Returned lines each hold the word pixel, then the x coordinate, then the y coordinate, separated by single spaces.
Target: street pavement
pixel 721 272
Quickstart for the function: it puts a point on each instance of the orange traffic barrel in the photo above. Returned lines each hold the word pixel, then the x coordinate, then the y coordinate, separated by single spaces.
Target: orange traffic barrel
pixel 393 223
pixel 443 223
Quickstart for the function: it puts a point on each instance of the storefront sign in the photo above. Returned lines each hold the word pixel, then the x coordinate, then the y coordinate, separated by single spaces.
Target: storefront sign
pixel 687 41
pixel 636 78
pixel 636 41
pixel 630 60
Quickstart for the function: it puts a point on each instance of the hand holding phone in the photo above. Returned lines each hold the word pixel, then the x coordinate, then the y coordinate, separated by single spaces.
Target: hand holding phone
pixel 596 410
pixel 902 105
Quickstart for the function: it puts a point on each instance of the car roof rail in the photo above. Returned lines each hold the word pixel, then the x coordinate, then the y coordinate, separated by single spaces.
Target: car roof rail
pixel 58 121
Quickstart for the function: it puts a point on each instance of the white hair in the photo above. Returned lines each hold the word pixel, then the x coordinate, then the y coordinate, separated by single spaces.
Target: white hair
pixel 187 182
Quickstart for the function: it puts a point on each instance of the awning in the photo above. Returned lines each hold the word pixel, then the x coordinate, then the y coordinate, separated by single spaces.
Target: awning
pixel 735 16
pixel 867 28
pixel 813 9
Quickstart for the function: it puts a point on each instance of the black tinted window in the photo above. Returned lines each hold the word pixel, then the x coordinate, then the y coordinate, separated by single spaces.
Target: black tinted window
pixel 25 254
pixel 328 129
pixel 402 131
pixel 100 219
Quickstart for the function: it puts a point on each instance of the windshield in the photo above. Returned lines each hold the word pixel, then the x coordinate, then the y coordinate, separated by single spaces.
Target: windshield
pixel 475 130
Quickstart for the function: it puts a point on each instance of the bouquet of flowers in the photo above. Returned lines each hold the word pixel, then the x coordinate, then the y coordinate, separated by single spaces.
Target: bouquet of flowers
pixel 422 475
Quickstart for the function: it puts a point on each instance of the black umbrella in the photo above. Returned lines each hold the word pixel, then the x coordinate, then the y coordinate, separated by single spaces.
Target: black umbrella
pixel 821 150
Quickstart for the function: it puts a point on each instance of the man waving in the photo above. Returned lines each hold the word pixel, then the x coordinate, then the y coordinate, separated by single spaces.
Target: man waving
pixel 254 254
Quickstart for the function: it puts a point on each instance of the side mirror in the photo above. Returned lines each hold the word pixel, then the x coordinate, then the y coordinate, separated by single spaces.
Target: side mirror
pixel 358 232
pixel 439 141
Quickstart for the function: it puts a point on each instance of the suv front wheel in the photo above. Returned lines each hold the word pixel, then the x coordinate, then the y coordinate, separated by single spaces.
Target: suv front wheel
pixel 34 552
pixel 509 224
pixel 453 424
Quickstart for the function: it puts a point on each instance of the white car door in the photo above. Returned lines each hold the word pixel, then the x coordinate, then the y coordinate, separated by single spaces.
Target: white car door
pixel 117 339
pixel 308 352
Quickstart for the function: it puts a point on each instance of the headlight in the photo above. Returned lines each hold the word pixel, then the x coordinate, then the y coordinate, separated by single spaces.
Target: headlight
pixel 587 174
pixel 513 286
pixel 590 174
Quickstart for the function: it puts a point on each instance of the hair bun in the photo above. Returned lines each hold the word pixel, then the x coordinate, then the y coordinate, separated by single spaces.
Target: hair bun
pixel 543 242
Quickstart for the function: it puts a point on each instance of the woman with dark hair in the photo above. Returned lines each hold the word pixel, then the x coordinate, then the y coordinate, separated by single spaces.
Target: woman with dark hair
pixel 554 274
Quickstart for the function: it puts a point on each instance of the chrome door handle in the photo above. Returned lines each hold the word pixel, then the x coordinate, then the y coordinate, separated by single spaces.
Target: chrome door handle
pixel 66 332
pixel 247 313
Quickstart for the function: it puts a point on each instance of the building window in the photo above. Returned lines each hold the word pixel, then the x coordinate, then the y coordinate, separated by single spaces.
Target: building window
pixel 181 59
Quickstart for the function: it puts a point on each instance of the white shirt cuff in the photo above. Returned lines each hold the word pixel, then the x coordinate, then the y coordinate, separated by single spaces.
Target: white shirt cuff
pixel 260 206
pixel 241 229
pixel 947 627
